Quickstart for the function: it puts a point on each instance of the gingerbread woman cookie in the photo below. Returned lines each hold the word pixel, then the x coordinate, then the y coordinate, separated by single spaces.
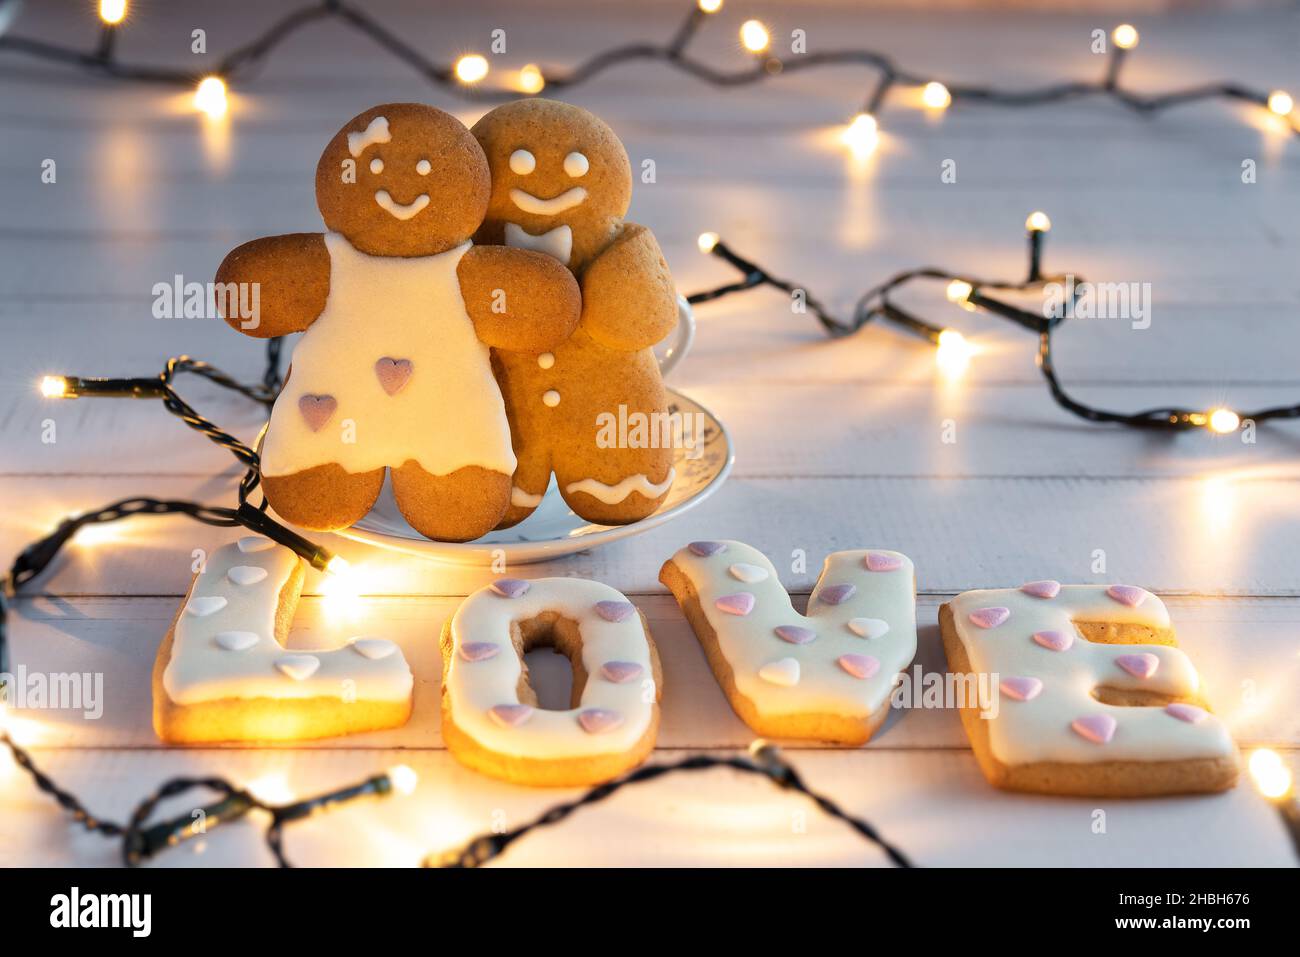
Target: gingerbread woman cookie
pixel 399 308
pixel 1095 698
pixel 561 183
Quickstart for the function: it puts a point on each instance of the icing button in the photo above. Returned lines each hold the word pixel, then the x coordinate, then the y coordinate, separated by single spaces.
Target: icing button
pixel 615 611
pixel 254 543
pixel 246 574
pixel 200 606
pixel 741 603
pixel 1129 595
pixel 236 640
pixel 550 398
pixel 745 572
pixel 479 650
pixel 1140 666
pixel 860 666
pixel 1019 688
pixel 990 617
pixel 620 672
pixel 298 667
pixel 1097 728
pixel 373 648
pixel 795 634
pixel 1054 640
pixel 882 562
pixel 836 594
pixel 510 715
pixel 706 549
pixel 546 360
pixel 597 720
pixel 1042 589
pixel 510 587
pixel 317 409
pixel 783 672
pixel 869 627
pixel 393 373
pixel 1186 712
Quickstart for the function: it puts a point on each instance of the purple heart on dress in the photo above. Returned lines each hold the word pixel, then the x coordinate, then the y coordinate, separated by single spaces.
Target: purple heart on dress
pixel 509 587
pixel 836 594
pixel 479 650
pixel 1186 712
pixel 795 634
pixel 620 672
pixel 596 720
pixel 990 617
pixel 511 715
pixel 1042 589
pixel 1020 688
pixel 1097 728
pixel 317 409
pixel 860 666
pixel 705 549
pixel 741 603
pixel 1054 640
pixel 615 610
pixel 882 562
pixel 393 373
pixel 1129 595
pixel 1141 666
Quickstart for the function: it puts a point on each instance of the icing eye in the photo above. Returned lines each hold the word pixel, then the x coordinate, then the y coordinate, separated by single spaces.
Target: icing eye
pixel 423 167
pixel 575 164
pixel 522 162
pixel 376 166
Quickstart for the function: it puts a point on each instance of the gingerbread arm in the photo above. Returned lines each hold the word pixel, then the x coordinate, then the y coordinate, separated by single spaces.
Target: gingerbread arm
pixel 628 298
pixel 519 300
pixel 285 279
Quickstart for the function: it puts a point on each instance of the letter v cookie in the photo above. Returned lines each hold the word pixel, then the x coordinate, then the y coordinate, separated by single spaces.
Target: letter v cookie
pixel 1095 697
pixel 826 676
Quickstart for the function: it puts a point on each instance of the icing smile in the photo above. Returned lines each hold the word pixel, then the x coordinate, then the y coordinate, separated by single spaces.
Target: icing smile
pixel 399 210
pixel 548 207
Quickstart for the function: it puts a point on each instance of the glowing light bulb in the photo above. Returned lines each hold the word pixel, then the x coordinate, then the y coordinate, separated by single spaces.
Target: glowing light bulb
pixel 337 565
pixel 936 96
pixel 710 6
pixel 1037 222
pixel 1223 421
pixel 112 11
pixel 403 779
pixel 958 291
pixel 862 134
pixel 54 387
pixel 707 241
pixel 1280 102
pixel 1125 36
pixel 1272 777
pixel 471 68
pixel 954 353
pixel 531 79
pixel 210 97
pixel 754 36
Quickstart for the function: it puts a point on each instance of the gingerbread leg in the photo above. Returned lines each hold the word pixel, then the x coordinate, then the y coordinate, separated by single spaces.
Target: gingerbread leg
pixel 619 486
pixel 323 498
pixel 459 507
pixel 532 475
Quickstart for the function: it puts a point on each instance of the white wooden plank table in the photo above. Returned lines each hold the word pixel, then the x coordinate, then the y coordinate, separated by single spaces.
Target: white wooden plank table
pixel 838 443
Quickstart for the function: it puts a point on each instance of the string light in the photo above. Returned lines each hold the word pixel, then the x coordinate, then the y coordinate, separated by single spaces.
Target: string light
pixel 862 135
pixel 472 68
pixel 210 96
pixel 936 96
pixel 1038 222
pixel 706 242
pixel 959 292
pixel 953 354
pixel 1272 777
pixel 1280 102
pixel 710 6
pixel 531 79
pixel 754 36
pixel 1125 36
pixel 112 12
pixel 1223 421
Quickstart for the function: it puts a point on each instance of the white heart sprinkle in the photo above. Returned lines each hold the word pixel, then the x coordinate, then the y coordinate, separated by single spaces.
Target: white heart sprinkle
pixel 246 574
pixel 298 667
pixel 255 543
pixel 373 648
pixel 237 640
pixel 203 605
pixel 869 627
pixel 746 572
pixel 784 672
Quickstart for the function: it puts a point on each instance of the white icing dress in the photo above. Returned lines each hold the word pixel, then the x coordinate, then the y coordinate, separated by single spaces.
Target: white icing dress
pixel 392 370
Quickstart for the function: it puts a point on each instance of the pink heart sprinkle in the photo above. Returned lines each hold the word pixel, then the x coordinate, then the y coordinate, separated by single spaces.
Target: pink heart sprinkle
pixel 860 666
pixel 1054 640
pixel 1142 665
pixel 836 594
pixel 1043 589
pixel 741 603
pixel 620 672
pixel 990 617
pixel 511 715
pixel 393 373
pixel 510 587
pixel 1019 688
pixel 615 610
pixel 1186 712
pixel 881 562
pixel 317 409
pixel 1129 595
pixel 479 650
pixel 705 549
pixel 795 634
pixel 1097 728
pixel 596 720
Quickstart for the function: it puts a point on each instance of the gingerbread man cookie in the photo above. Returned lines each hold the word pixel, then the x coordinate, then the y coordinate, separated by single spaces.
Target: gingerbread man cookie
pixel 490 718
pixel 561 184
pixel 399 308
pixel 1095 698
pixel 826 676
pixel 224 674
